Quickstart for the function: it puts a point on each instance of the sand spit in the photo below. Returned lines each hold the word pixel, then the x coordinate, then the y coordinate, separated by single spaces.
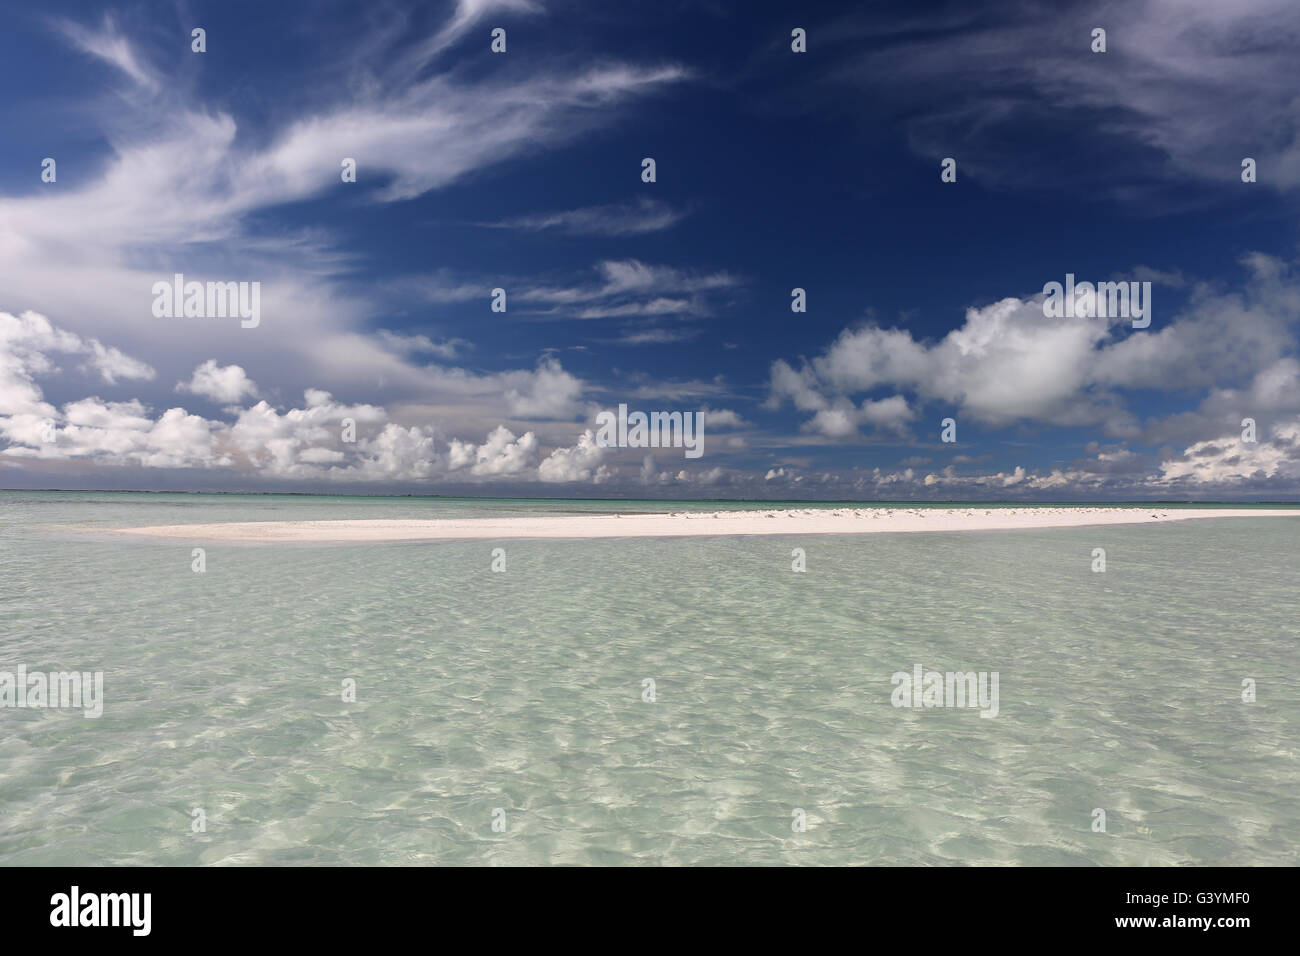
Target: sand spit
pixel 799 521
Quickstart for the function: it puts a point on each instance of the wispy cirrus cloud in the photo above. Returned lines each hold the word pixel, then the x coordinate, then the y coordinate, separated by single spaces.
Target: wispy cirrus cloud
pixel 630 287
pixel 1185 89
pixel 108 44
pixel 404 344
pixel 184 186
pixel 613 219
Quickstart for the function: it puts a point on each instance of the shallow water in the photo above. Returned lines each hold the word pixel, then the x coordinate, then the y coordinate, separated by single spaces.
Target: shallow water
pixel 523 691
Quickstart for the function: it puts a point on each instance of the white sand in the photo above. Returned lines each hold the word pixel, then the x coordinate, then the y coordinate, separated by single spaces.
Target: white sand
pixel 801 521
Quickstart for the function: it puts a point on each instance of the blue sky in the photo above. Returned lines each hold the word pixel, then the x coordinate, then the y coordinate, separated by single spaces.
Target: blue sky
pixel 775 170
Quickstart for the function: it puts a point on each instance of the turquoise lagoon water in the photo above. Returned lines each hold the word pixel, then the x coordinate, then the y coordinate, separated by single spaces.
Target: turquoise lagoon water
pixel 522 692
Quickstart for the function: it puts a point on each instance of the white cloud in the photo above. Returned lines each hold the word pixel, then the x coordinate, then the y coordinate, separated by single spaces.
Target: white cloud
pixel 299 442
pixel 467 14
pixel 837 422
pixel 396 453
pixel 1008 363
pixel 182 180
pixel 113 364
pixel 109 45
pixel 1230 459
pixel 422 345
pixel 722 418
pixel 615 219
pixel 272 443
pixel 225 384
pixel 501 454
pixel 28 340
pixel 631 288
pixel 1180 78
pixel 121 433
pixel 547 392
pixel 842 418
pixel 582 462
pixel 28 344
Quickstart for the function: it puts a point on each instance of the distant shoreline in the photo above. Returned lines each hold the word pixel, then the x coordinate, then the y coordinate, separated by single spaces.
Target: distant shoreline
pixel 808 502
pixel 681 524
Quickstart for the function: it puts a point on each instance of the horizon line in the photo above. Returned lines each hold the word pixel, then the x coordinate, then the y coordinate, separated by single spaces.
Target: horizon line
pixel 898 501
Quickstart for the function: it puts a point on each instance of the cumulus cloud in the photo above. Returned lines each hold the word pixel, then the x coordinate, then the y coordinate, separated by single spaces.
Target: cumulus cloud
pixel 226 384
pixel 547 392
pixel 123 431
pixel 501 454
pixel 582 462
pixel 842 419
pixel 1007 363
pixel 396 452
pixel 722 418
pixel 320 438
pixel 1231 459
pixel 29 344
pixel 113 364
pixel 273 443
pixel 28 340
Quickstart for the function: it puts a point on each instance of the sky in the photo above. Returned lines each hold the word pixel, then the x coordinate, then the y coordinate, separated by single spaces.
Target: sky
pixel 774 169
